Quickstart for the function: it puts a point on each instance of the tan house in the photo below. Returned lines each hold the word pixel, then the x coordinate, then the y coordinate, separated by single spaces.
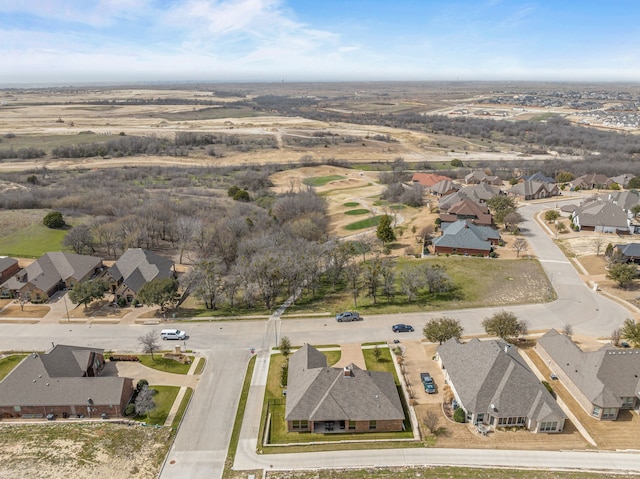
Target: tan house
pixel 322 399
pixel 603 381
pixel 50 273
pixel 66 382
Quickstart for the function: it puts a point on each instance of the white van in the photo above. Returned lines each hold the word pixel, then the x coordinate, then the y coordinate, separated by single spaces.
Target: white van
pixel 172 334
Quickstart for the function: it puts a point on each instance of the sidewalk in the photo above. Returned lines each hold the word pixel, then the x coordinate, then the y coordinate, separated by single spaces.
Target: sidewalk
pixel 183 390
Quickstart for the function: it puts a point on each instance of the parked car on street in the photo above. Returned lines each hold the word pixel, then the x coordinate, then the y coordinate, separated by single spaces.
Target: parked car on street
pixel 402 328
pixel 348 316
pixel 427 382
pixel 173 334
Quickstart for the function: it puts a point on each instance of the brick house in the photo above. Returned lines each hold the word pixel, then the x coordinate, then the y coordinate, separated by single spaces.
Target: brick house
pixel 8 267
pixel 66 381
pixel 322 399
pixel 464 237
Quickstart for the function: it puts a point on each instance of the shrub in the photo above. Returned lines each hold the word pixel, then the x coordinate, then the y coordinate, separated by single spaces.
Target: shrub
pixel 122 301
pixel 549 388
pixel 142 383
pixel 459 415
pixel 53 220
pixel 130 409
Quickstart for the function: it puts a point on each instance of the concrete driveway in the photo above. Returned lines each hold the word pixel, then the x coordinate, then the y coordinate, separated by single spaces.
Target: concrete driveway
pixel 416 361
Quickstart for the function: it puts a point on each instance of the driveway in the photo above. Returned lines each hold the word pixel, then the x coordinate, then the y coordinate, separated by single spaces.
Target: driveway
pixel 416 361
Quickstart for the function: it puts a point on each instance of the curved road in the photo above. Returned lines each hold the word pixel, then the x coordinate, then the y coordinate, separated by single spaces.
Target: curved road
pixel 201 444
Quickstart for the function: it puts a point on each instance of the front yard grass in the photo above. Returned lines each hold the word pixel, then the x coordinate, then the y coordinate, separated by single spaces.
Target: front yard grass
pixel 164 364
pixel 32 241
pixel 27 311
pixel 182 408
pixel 7 364
pixel 164 399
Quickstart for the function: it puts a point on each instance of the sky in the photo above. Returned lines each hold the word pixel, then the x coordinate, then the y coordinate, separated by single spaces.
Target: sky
pixel 107 41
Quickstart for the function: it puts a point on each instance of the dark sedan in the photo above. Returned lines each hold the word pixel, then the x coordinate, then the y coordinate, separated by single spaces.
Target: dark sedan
pixel 402 328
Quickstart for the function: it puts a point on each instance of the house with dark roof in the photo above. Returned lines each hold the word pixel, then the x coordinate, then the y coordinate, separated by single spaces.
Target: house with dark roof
pixel 539 176
pixel 630 252
pixel 66 381
pixel 323 399
pixel 50 273
pixel 464 237
pixel 8 267
pixel 622 180
pixel 602 216
pixel 624 199
pixel 478 193
pixel 135 268
pixel 428 179
pixel 534 190
pixel 467 209
pixel 604 382
pixel 495 387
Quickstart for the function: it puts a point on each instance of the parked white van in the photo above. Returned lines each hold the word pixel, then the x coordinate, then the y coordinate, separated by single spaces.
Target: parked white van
pixel 173 334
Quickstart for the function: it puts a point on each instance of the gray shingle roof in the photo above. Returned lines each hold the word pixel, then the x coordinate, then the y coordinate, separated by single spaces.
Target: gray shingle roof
pixel 136 267
pixel 486 373
pixel 631 250
pixel 56 379
pixel 6 263
pixel 479 193
pixel 602 213
pixel 464 234
pixel 52 268
pixel 316 392
pixel 603 376
pixel 624 199
pixel 530 188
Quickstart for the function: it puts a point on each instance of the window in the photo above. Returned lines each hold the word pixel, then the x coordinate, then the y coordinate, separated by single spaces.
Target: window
pixel 373 425
pixel 352 425
pixel 295 424
pixel 596 411
pixel 609 413
pixel 300 424
pixel 548 426
pixel 628 402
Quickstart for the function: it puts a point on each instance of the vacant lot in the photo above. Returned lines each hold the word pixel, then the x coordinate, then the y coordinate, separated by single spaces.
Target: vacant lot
pixel 82 450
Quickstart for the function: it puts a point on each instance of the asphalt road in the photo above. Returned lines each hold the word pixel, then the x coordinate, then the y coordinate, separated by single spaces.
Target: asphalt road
pixel 201 444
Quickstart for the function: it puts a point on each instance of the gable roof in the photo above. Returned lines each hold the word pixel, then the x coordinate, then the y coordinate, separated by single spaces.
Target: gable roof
pixel 469 208
pixel 623 180
pixel 428 179
pixel 540 177
pixel 136 267
pixel 478 193
pixel 630 250
pixel 624 199
pixel 530 188
pixel 316 392
pixel 602 213
pixel 464 234
pixel 492 376
pixel 603 376
pixel 6 263
pixel 590 180
pixel 52 268
pixel 55 379
pixel 444 186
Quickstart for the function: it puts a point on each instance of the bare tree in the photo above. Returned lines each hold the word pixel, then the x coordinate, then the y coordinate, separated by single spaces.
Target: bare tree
pixel 519 245
pixel 411 280
pixel 186 229
pixel 149 342
pixel 431 421
pixel 616 335
pixel 79 239
pixel 567 330
pixel 353 275
pixel 598 242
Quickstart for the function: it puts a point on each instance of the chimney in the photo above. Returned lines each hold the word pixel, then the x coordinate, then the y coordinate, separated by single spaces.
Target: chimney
pixel 347 372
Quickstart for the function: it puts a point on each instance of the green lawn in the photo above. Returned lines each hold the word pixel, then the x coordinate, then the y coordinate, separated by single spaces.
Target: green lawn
pixel 162 364
pixel 7 364
pixel 368 223
pixel 351 204
pixel 32 241
pixel 322 180
pixel 164 399
pixel 359 211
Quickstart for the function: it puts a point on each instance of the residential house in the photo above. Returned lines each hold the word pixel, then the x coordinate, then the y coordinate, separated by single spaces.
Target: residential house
pixel 444 188
pixel 477 177
pixel 50 273
pixel 630 252
pixel 135 268
pixel 66 381
pixel 464 237
pixel 622 180
pixel 534 190
pixel 495 387
pixel 539 176
pixel 468 209
pixel 590 181
pixel 602 216
pixel 478 193
pixel 322 399
pixel 8 267
pixel 604 382
pixel 428 179
pixel 624 199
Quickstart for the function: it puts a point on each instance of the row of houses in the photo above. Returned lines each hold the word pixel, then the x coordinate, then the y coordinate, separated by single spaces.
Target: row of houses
pixel 609 213
pixel 58 271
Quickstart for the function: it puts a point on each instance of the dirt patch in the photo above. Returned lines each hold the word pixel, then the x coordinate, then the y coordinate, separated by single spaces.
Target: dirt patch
pixel 82 450
pixel 28 312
